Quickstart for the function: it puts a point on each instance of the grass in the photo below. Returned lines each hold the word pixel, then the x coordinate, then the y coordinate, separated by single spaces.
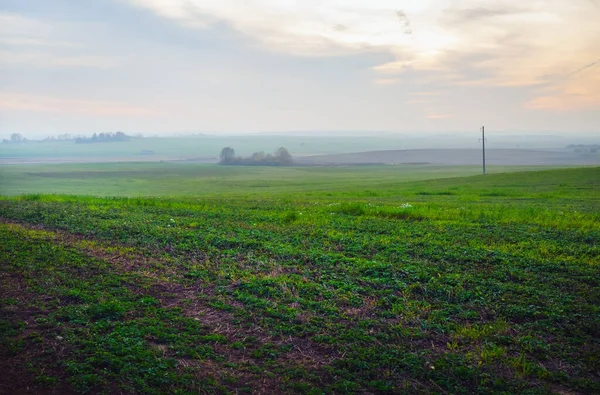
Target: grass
pixel 459 285
pixel 177 179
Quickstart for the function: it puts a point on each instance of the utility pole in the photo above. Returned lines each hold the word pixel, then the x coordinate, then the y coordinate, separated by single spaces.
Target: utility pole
pixel 483 146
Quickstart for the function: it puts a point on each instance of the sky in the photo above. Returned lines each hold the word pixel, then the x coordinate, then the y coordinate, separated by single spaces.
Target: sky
pixel 247 66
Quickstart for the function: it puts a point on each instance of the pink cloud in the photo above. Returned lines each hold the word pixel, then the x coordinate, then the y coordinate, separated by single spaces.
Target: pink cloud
pixel 50 104
pixel 439 116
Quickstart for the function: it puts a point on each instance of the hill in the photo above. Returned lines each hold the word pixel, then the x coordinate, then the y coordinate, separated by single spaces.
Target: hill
pixel 505 157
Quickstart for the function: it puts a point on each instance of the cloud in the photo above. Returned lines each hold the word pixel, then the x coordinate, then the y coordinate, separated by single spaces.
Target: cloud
pixel 386 81
pixel 19 30
pixel 404 21
pixel 588 66
pixel 478 14
pixel 306 27
pixel 49 60
pixel 315 64
pixel 31 42
pixel 525 44
pixel 438 116
pixel 579 91
pixel 12 23
pixel 426 94
pixel 50 104
pixel 425 97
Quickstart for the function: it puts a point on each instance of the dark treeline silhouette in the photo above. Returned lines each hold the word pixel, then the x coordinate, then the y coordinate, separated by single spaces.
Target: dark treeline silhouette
pixel 281 157
pixel 60 137
pixel 103 138
pixel 15 138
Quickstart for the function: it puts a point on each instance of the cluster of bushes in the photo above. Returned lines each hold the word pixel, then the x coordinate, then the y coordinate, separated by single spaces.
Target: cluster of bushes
pixel 102 138
pixel 281 157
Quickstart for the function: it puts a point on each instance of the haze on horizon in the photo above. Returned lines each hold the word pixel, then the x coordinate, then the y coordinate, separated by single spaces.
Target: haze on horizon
pixel 231 66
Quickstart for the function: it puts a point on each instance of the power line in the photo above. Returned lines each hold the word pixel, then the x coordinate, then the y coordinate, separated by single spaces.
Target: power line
pixel 483 146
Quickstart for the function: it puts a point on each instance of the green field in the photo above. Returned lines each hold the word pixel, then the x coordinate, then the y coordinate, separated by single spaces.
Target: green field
pixel 180 179
pixel 208 279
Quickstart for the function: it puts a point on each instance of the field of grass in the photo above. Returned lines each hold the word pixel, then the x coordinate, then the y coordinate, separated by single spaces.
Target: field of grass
pixel 186 179
pixel 346 280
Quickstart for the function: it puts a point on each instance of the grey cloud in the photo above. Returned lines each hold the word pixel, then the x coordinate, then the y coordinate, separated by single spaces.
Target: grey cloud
pixel 589 66
pixel 404 21
pixel 465 15
pixel 196 16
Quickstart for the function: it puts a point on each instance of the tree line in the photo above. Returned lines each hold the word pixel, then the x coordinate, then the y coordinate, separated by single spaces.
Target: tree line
pixel 17 138
pixel 102 138
pixel 281 157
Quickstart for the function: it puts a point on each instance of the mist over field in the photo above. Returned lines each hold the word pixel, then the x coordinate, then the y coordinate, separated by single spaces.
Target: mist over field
pixel 314 148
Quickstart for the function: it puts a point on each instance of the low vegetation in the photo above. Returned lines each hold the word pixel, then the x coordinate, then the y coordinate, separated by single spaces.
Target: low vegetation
pixel 194 180
pixel 461 285
pixel 17 138
pixel 103 138
pixel 281 157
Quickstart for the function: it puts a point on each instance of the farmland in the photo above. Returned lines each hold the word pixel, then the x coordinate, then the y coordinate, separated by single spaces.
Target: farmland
pixel 184 179
pixel 310 149
pixel 377 279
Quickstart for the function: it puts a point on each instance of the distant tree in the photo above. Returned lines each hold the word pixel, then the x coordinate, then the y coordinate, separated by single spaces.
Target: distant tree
pixel 283 156
pixel 60 137
pixel 227 155
pixel 16 138
pixel 258 157
pixel 102 138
